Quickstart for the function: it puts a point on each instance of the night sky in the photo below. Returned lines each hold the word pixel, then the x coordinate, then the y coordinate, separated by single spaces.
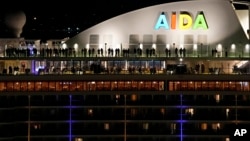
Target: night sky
pixel 46 20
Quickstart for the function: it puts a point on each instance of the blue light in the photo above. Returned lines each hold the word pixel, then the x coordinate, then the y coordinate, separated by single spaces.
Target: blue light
pixel 32 66
pixel 70 118
pixel 182 106
pixel 181 121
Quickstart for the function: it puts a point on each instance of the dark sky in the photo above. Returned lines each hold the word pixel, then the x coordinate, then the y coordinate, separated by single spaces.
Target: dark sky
pixel 45 20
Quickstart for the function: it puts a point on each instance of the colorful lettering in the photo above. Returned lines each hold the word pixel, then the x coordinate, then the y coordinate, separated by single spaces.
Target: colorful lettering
pixel 185 21
pixel 173 20
pixel 200 22
pixel 162 22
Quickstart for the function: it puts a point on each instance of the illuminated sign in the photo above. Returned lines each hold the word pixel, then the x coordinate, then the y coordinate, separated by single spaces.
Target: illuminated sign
pixel 185 21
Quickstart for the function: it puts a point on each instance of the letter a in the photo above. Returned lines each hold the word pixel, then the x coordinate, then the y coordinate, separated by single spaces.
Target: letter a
pixel 162 22
pixel 200 22
pixel 237 132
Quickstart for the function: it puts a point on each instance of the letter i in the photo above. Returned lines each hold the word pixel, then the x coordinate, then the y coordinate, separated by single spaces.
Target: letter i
pixel 173 20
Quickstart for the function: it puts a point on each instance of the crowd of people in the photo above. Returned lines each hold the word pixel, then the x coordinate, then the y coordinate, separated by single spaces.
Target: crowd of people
pixel 91 52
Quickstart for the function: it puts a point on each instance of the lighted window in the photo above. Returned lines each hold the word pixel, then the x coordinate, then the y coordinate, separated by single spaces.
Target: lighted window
pixel 92 86
pixel 217 98
pixel 133 112
pixel 190 111
pixel 183 85
pixel 114 85
pixel 245 86
pixel 9 86
pixel 161 85
pixel 17 86
pixel 155 85
pixel 106 85
pixel 52 86
pixel 38 86
pixel 145 126
pixel 2 86
pixel 45 86
pixel 204 85
pixel 31 86
pixel 58 86
pixel 204 126
pixel 141 86
pixel 171 86
pixel 36 126
pixel 134 85
pixel 99 85
pixel 227 112
pixel 78 139
pixel 163 111
pixel 191 85
pixel 66 86
pixel 133 97
pixel 127 85
pixel 173 128
pixel 227 139
pixel 218 85
pixel 121 85
pixel 106 126
pixel 90 112
pixel 117 98
pixel 216 126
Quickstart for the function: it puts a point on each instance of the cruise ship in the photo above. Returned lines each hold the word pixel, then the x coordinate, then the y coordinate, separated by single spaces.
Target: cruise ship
pixel 177 71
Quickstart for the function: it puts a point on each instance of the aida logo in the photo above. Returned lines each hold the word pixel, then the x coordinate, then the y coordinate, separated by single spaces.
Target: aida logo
pixel 185 21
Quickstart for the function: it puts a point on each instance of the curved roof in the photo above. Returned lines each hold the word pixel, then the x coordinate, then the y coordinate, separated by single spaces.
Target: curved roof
pixel 139 26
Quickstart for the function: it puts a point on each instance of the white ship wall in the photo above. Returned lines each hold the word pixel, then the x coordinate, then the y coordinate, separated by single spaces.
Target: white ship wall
pixel 137 26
